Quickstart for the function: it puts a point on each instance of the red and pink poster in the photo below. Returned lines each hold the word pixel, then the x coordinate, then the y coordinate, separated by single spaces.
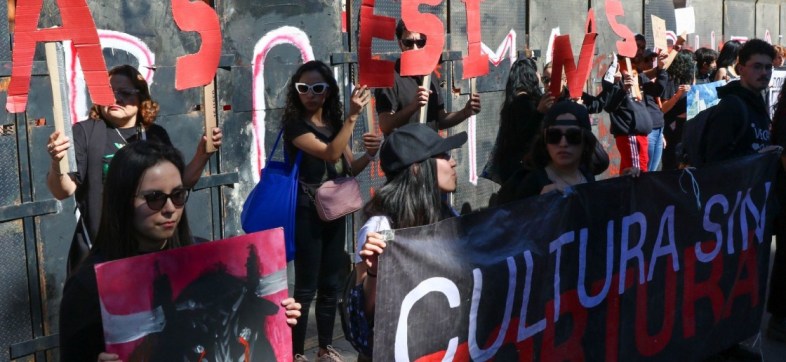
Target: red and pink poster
pixel 215 301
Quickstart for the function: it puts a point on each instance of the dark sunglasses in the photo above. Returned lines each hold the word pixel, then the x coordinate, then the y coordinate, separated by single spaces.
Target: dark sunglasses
pixel 316 88
pixel 125 93
pixel 572 135
pixel 409 43
pixel 157 199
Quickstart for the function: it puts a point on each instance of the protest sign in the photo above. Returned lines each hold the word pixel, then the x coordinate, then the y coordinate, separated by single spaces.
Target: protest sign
pixel 659 33
pixel 776 83
pixel 214 301
pixel 196 70
pixel 374 73
pixel 476 63
pixel 563 61
pixel 626 269
pixel 627 46
pixel 702 96
pixel 422 61
pixel 686 20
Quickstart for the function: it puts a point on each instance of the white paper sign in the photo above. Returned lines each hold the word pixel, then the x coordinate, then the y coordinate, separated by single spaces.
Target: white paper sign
pixel 686 20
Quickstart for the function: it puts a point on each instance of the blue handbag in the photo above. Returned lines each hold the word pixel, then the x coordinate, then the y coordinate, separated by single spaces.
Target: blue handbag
pixel 272 202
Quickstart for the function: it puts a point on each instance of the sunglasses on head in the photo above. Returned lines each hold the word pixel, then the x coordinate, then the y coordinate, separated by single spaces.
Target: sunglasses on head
pixel 316 88
pixel 572 135
pixel 157 199
pixel 409 43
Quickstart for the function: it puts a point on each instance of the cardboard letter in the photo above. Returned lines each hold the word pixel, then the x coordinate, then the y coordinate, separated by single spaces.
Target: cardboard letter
pixel 563 60
pixel 422 61
pixel 627 46
pixel 196 70
pixel 78 26
pixel 374 73
pixel 476 63
pixel 659 33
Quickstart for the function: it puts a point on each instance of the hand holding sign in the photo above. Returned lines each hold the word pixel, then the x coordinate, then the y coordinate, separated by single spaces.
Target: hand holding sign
pixel 360 97
pixel 422 97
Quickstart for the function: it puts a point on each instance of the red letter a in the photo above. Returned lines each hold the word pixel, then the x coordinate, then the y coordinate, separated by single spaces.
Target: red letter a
pixel 78 26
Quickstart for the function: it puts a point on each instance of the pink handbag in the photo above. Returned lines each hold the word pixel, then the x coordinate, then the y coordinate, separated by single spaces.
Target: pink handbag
pixel 337 198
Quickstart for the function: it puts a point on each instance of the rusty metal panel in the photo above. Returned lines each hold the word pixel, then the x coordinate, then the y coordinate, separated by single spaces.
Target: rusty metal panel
pixel 709 19
pixel 606 42
pixel 568 15
pixel 767 19
pixel 739 17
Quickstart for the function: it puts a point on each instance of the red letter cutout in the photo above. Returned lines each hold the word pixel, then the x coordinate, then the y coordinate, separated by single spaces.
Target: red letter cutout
pixel 197 69
pixel 78 26
pixel 422 61
pixel 563 58
pixel 374 73
pixel 626 47
pixel 476 63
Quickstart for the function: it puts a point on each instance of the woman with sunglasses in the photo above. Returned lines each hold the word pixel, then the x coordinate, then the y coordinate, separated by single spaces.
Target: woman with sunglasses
pixel 314 123
pixel 129 119
pixel 143 212
pixel 561 156
pixel 419 171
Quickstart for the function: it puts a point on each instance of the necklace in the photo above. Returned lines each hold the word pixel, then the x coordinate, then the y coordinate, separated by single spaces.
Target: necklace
pixel 164 244
pixel 121 137
pixel 579 177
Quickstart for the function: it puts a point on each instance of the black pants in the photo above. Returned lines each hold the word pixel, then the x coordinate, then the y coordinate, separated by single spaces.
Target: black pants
pixel 320 263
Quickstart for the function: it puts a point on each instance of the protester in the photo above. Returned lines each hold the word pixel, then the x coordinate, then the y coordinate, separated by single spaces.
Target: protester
pixel 401 104
pixel 561 156
pixel 419 170
pixel 131 118
pixel 706 64
pixel 313 123
pixel 519 120
pixel 780 54
pixel 727 61
pixel 741 124
pixel 630 123
pixel 651 91
pixel 143 212
pixel 776 303
pixel 675 104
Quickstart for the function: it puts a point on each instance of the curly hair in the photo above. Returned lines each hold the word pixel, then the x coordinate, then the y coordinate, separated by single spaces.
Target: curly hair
pixel 682 69
pixel 332 111
pixel 148 108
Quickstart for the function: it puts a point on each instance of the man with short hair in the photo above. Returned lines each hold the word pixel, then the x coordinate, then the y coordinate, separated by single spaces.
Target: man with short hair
pixel 741 124
pixel 401 104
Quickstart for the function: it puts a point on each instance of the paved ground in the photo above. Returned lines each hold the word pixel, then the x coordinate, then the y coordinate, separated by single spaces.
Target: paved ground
pixel 771 351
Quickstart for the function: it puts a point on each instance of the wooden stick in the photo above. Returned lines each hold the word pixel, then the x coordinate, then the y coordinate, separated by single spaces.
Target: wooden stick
pixel 210 115
pixel 424 110
pixel 473 86
pixel 57 97
pixel 370 114
pixel 635 88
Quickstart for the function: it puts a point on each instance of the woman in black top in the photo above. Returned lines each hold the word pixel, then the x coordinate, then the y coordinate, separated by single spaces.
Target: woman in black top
pixel 109 128
pixel 143 212
pixel 675 104
pixel 561 156
pixel 314 124
pixel 519 120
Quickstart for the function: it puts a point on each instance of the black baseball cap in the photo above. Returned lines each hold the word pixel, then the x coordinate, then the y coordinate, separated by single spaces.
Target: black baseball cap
pixel 412 143
pixel 567 106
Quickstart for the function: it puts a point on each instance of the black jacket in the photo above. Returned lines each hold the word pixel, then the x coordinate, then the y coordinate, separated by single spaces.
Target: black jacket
pixel 628 116
pixel 722 135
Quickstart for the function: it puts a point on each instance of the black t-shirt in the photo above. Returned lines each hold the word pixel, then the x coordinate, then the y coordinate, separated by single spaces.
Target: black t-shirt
pixel 313 170
pixel 115 138
pixel 403 91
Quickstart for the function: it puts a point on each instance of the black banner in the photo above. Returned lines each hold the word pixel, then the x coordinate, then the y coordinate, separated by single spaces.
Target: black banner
pixel 665 267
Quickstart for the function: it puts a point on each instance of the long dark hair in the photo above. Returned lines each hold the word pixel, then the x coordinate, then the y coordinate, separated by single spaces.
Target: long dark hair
pixel 539 156
pixel 779 117
pixel 115 237
pixel 148 108
pixel 332 111
pixel 522 91
pixel 728 54
pixel 410 197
